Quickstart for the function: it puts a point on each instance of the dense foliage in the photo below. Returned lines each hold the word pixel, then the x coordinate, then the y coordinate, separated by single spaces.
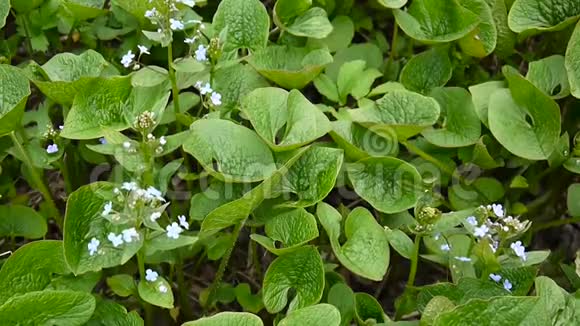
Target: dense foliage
pixel 289 162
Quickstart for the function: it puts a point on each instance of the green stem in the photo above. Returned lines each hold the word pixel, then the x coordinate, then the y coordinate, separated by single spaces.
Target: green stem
pixel 414 261
pixel 37 181
pixel 28 42
pixel 183 298
pixel 174 88
pixel 146 306
pixel 393 53
pixel 555 223
pixel 64 171
pixel 224 263
pixel 255 258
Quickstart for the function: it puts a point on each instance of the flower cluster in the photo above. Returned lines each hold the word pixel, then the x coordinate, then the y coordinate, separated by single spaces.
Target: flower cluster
pixel 507 285
pixel 128 59
pixel 215 98
pixel 51 135
pixel 168 18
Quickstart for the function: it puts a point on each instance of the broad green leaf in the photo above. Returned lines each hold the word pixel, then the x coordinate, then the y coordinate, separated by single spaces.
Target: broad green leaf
pixel 482 40
pixel 573 165
pixel 215 195
pixel 25 6
pixel 297 18
pixel 48 308
pixel 555 303
pixel 157 293
pixel 572 61
pixel 30 268
pixel 313 175
pixel 497 311
pixel 326 87
pixel 4 11
pixel 342 297
pixel 288 231
pixel 542 16
pixel 122 285
pixel 229 151
pixel 390 185
pixel 480 95
pixel 368 309
pixel 574 199
pixel 285 120
pixel 427 70
pixel 84 221
pixel 435 21
pixel 524 119
pixel 400 242
pixel 246 24
pixel 366 250
pixel 250 302
pixel 109 313
pixel 359 142
pixel 136 8
pixel 480 154
pixel 318 315
pixel 436 306
pixel 461 126
pixel 290 67
pixel 228 319
pixel 393 4
pixel 506 39
pixel 406 112
pixel 549 75
pixel 302 271
pixel 15 91
pixel 159 241
pixel 368 52
pixel 234 82
pixel 100 105
pixel 340 37
pixel 81 10
pixel 355 80
pixel 481 191
pixel 21 221
pixel 68 74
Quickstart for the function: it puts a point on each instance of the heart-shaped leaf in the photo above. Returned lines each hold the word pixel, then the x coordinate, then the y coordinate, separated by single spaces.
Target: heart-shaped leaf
pixel 406 112
pixel 15 92
pixel 549 75
pixel 318 315
pixel 229 151
pixel 436 21
pixel 341 296
pixel 390 185
pixel 355 80
pixel 300 270
pixel 290 67
pixel 21 221
pixel 366 251
pixel 246 24
pixel 506 39
pixel 297 18
pixel 226 319
pixel 157 293
pixel 482 40
pixel 540 16
pixel 359 142
pixel 480 95
pixel 461 125
pixel 285 120
pixel 291 229
pixel 340 37
pixel 234 82
pixel 84 221
pixel 427 70
pixel 368 52
pixel 368 309
pixel 572 61
pixel 524 119
pixel 108 312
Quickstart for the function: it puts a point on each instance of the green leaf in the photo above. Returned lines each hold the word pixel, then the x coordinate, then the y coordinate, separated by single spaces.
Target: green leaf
pixel 83 221
pixel 81 10
pixel 4 11
pixel 318 315
pixel 246 24
pixel 159 241
pixel 109 313
pixel 234 82
pixel 340 37
pixel 435 21
pixel 290 229
pixel 549 75
pixel 151 292
pixel 216 194
pixel 368 309
pixel 30 268
pixel 285 120
pixel 574 199
pixel 506 39
pixel 359 142
pixel 524 119
pixel 122 285
pixel 229 151
pixel 400 242
pixel 390 185
pixel 48 308
pixel 480 95
pixel 407 112
pixel 482 40
pixel 21 221
pixel 313 176
pixel 248 301
pixel 496 311
pixel 393 4
pixel 300 270
pixel 226 319
pixel 481 191
pixel 461 125
pixel 437 305
pixel 366 251
pixel 68 74
pixel 572 61
pixel 427 70
pixel 342 297
pixel 355 80
pixel 100 105
pixel 297 18
pixel 290 67
pixel 541 16
pixel 15 92
pixel 368 52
